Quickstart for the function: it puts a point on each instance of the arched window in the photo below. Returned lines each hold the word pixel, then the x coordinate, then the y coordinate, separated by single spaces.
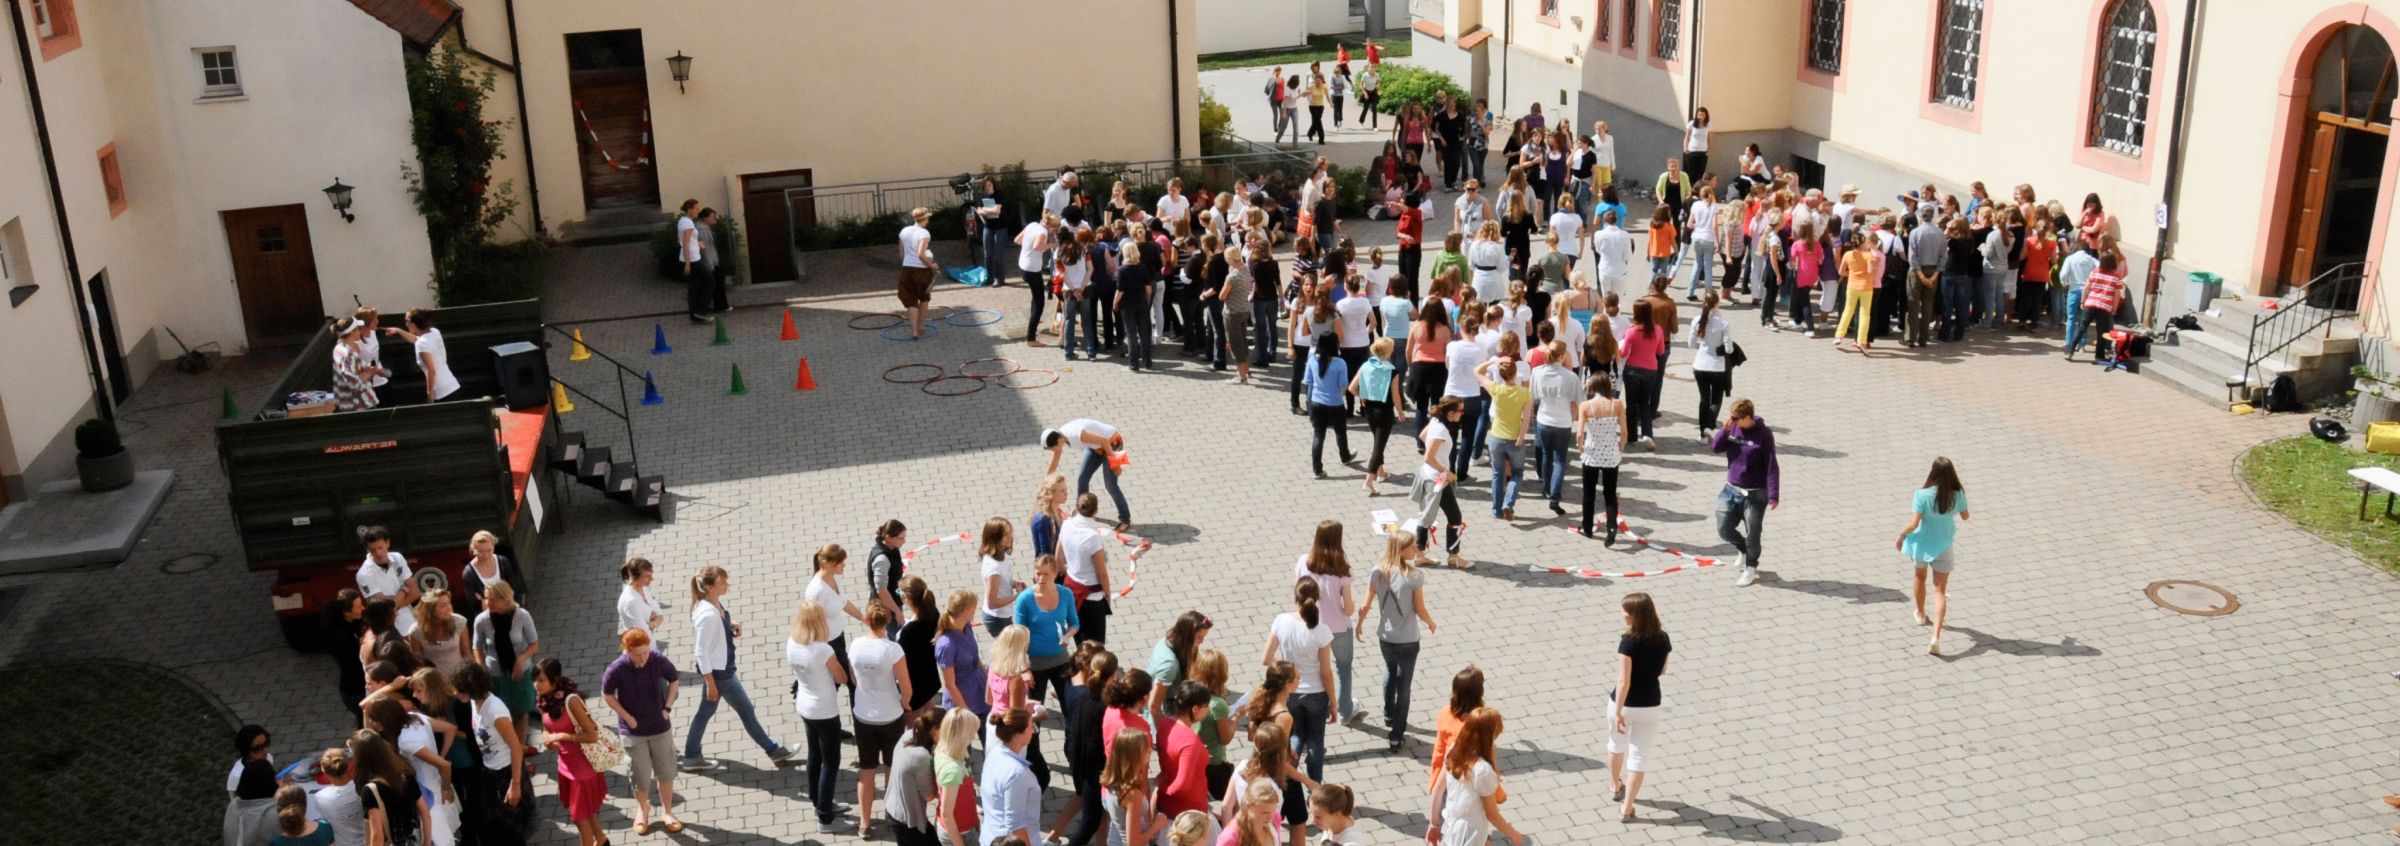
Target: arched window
pixel 2355 79
pixel 2121 87
pixel 1632 11
pixel 1600 33
pixel 1825 36
pixel 1958 59
pixel 1669 22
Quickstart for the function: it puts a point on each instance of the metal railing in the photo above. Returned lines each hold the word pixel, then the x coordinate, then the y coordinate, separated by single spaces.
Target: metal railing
pixel 2331 295
pixel 623 410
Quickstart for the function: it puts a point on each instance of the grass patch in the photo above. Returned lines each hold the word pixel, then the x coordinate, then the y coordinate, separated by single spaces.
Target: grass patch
pixel 2308 481
pixel 1319 49
pixel 108 752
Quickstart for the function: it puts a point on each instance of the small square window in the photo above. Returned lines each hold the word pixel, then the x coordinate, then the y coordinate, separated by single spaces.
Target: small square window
pixel 270 239
pixel 54 22
pixel 43 22
pixel 218 75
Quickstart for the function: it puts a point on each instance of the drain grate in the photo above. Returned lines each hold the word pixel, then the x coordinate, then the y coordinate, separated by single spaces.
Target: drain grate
pixel 2195 598
pixel 189 562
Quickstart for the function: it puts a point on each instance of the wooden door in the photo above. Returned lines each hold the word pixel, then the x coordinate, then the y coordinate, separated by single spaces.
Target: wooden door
pixel 767 218
pixel 2305 226
pixel 275 270
pixel 620 167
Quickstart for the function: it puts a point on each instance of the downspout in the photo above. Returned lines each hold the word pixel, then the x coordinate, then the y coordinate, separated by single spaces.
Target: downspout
pixel 516 58
pixel 1508 39
pixel 2167 197
pixel 1174 78
pixel 58 209
pixel 1691 67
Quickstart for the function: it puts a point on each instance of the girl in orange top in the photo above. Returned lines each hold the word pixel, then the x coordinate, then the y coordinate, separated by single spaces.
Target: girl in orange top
pixel 1466 695
pixel 1662 242
pixel 1860 274
pixel 2033 279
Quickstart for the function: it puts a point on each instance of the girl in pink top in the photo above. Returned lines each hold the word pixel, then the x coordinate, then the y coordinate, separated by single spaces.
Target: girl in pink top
pixel 1643 346
pixel 1807 259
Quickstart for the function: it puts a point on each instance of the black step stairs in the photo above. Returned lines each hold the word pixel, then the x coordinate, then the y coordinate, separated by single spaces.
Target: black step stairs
pixel 597 468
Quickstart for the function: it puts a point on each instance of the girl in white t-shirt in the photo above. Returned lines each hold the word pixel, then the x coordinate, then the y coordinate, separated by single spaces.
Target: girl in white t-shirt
pixel 1466 804
pixel 817 672
pixel 1432 488
pixel 1301 637
pixel 1000 585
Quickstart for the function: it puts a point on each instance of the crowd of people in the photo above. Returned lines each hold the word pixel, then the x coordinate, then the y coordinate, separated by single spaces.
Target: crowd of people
pixel 358 365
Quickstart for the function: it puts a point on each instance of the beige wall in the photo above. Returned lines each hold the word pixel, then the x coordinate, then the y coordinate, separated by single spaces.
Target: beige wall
pixel 1229 25
pixel 43 386
pixel 777 86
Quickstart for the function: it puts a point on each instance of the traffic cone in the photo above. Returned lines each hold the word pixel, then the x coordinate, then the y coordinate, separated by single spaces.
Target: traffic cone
pixel 650 391
pixel 722 339
pixel 659 347
pixel 790 331
pixel 558 398
pixel 581 353
pixel 806 382
pixel 739 389
pixel 232 411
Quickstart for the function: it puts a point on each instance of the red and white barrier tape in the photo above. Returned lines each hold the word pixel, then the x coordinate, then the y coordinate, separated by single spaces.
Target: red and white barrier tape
pixel 1624 528
pixel 1136 547
pixel 641 156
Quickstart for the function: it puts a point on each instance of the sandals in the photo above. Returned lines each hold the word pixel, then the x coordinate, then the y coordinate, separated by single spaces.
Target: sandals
pixel 674 826
pixel 641 828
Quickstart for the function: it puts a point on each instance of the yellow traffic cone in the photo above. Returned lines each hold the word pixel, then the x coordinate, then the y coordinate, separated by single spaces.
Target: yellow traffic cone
pixel 581 352
pixel 559 400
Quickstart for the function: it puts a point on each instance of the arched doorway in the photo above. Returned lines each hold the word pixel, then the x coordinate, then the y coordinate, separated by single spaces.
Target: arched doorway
pixel 2345 131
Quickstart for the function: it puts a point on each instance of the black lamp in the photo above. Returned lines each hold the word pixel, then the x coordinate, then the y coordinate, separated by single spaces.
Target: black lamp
pixel 340 195
pixel 681 66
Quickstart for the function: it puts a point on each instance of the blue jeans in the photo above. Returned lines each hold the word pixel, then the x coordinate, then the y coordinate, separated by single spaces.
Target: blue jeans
pixel 1078 310
pixel 730 693
pixel 1399 674
pixel 1741 520
pixel 1094 462
pixel 1996 286
pixel 1262 325
pixel 1508 470
pixel 1958 300
pixel 1308 730
pixel 1659 267
pixel 1462 447
pixel 1702 258
pixel 1345 644
pixel 2068 308
pixel 1551 445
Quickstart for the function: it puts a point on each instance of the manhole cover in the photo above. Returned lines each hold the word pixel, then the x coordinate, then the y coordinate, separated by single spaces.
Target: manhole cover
pixel 190 562
pixel 2194 598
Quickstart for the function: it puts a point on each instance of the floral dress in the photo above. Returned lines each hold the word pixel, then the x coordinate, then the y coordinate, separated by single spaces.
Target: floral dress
pixel 352 391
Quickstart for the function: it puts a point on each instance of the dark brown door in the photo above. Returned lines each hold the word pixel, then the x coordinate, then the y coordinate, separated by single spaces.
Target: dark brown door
pixel 276 272
pixel 768 211
pixel 610 88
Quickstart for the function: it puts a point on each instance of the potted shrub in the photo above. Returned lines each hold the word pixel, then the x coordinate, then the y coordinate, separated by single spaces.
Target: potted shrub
pixel 2378 398
pixel 100 457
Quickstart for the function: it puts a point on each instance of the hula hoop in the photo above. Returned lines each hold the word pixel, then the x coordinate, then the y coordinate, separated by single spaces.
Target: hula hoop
pixel 886 332
pixel 927 386
pixel 1009 380
pixel 879 316
pixel 955 318
pixel 1135 548
pixel 937 373
pixel 966 369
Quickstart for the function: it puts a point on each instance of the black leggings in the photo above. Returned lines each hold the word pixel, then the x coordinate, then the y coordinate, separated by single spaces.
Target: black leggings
pixel 1425 380
pixel 1321 418
pixel 1606 479
pixel 1714 385
pixel 1039 287
pixel 1379 421
pixel 1450 519
pixel 1300 356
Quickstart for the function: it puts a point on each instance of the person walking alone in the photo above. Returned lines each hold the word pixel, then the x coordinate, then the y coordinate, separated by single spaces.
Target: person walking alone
pixel 1634 708
pixel 713 635
pixel 1929 540
pixel 1753 484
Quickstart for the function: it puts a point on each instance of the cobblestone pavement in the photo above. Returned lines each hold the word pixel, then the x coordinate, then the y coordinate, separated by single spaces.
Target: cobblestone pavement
pixel 2068 708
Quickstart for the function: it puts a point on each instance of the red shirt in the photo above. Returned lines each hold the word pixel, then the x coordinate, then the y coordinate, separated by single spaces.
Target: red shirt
pixel 1183 775
pixel 1412 226
pixel 1374 54
pixel 2103 290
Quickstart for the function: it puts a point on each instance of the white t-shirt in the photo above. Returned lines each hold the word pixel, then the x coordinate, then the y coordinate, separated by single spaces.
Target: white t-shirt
pixel 1569 227
pixel 1299 643
pixel 1029 254
pixel 814 698
pixel 1350 321
pixel 687 237
pixel 1604 152
pixel 634 608
pixel 913 239
pixel 1078 274
pixel 1077 540
pixel 418 734
pixel 1379 283
pixel 1437 438
pixel 1462 357
pixel 337 805
pixel 430 345
pixel 1519 321
pixel 1008 580
pixel 1554 393
pixel 1488 260
pixel 1612 248
pixel 1471 213
pixel 1055 197
pixel 1174 206
pixel 1699 139
pixel 1076 429
pixel 1572 334
pixel 488 739
pixel 1463 822
pixel 1702 221
pixel 830 598
pixel 388 581
pixel 876 661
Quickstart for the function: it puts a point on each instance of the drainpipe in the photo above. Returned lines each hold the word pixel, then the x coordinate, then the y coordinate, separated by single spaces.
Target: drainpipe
pixel 1175 79
pixel 58 210
pixel 2167 197
pixel 516 75
pixel 1508 38
pixel 1691 67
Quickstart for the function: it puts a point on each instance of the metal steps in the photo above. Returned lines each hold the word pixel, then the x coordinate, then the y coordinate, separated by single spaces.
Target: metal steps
pixel 596 467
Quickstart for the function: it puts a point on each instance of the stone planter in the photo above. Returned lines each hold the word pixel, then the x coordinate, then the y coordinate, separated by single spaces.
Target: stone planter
pixel 106 473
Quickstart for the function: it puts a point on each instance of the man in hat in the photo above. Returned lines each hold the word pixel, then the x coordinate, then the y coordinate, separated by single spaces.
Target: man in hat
pixel 1843 208
pixel 1096 440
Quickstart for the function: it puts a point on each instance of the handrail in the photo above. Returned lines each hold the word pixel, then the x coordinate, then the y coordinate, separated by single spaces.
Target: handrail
pixel 623 411
pixel 2299 313
pixel 563 333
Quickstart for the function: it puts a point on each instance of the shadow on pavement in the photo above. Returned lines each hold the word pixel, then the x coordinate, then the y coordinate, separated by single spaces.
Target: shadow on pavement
pixel 2066 647
pixel 1858 594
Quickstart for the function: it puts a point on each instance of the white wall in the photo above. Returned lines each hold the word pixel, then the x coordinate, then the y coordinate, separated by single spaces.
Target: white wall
pixel 1230 25
pixel 44 389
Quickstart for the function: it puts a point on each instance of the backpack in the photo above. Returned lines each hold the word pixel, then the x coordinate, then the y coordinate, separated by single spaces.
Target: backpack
pixel 2283 394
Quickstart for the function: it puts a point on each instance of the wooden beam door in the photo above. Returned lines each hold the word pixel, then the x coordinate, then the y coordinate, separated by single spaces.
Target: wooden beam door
pixel 275 270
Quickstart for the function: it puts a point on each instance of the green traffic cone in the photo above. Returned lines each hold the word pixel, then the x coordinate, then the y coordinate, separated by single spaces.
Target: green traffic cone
pixel 739 389
pixel 722 340
pixel 232 411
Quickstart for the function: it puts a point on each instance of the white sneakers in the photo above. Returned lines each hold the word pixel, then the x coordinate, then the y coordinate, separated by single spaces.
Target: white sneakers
pixel 1748 577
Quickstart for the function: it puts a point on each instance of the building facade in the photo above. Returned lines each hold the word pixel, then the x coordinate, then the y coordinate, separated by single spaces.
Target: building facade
pixel 1230 25
pixel 164 169
pixel 2285 171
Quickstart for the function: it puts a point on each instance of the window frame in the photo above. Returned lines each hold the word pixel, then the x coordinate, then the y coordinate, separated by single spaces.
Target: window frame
pixel 1605 20
pixel 54 23
pixel 2136 94
pixel 1629 28
pixel 214 91
pixel 1547 11
pixel 1666 31
pixel 112 180
pixel 1930 104
pixel 1816 32
pixel 1944 74
pixel 2136 167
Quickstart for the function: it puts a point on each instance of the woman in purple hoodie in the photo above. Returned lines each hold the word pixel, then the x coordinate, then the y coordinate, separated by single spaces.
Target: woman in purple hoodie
pixel 1753 484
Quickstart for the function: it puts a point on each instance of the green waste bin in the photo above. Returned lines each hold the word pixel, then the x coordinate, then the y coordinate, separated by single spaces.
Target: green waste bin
pixel 2203 288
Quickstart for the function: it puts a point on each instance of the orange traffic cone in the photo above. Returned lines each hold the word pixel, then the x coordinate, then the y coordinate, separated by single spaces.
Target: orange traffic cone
pixel 790 332
pixel 806 382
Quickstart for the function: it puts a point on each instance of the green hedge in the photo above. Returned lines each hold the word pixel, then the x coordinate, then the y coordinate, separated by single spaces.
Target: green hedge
pixel 1403 85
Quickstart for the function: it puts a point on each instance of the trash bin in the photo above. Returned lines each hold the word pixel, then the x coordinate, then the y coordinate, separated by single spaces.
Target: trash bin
pixel 2202 288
